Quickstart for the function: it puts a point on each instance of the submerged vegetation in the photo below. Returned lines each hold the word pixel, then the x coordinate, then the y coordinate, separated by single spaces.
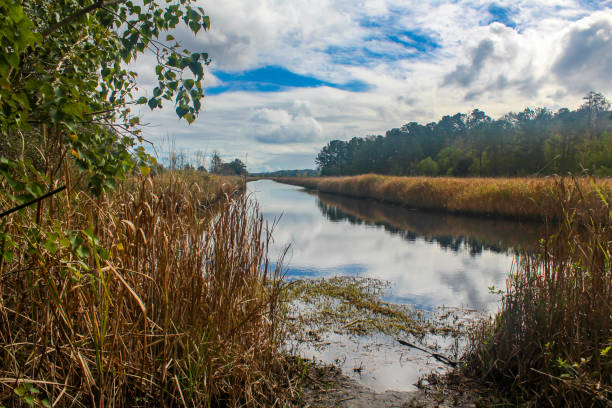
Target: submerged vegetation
pixel 551 343
pixel 355 306
pixel 522 198
pixel 349 304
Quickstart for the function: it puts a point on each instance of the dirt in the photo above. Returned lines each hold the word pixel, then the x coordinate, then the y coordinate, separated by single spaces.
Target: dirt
pixel 326 386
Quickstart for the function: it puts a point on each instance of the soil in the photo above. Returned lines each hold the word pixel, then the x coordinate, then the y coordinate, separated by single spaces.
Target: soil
pixel 326 386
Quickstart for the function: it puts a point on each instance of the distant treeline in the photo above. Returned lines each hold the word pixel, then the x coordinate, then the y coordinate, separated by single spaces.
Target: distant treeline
pixel 288 173
pixel 530 142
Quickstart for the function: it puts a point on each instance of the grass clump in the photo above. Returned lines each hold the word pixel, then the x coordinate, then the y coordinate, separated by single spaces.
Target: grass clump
pixel 522 198
pixel 142 297
pixel 551 343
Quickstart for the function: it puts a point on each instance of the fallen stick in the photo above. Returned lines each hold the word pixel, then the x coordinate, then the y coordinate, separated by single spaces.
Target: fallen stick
pixel 441 358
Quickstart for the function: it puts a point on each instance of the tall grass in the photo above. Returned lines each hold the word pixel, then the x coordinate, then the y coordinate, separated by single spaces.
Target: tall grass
pixel 550 345
pixel 143 297
pixel 524 198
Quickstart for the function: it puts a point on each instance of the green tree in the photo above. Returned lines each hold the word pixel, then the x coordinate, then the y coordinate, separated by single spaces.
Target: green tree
pixel 237 167
pixel 427 167
pixel 63 77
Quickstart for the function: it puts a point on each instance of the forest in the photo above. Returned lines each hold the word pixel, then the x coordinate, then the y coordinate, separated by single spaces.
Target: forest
pixel 528 143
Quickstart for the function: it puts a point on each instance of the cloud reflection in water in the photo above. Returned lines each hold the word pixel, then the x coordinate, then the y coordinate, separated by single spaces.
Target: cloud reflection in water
pixel 430 259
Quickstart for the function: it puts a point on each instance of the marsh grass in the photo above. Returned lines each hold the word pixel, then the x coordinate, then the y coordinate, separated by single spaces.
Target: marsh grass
pixel 149 296
pixel 520 198
pixel 550 345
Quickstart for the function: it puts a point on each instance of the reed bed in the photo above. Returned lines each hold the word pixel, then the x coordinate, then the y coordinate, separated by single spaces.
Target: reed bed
pixel 143 297
pixel 519 198
pixel 551 343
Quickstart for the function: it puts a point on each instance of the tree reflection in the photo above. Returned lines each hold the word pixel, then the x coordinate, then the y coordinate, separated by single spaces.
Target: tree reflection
pixel 451 232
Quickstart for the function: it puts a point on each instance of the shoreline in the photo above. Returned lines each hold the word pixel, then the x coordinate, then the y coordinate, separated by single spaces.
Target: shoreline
pixel 519 199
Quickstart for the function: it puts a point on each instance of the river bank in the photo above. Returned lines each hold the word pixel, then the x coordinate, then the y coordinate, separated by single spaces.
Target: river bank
pixel 509 198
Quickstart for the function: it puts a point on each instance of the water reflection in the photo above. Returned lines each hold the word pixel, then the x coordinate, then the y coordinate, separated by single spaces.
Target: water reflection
pixel 449 231
pixel 431 259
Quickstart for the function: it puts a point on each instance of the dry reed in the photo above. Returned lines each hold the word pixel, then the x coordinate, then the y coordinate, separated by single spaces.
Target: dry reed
pixel 524 198
pixel 550 345
pixel 143 297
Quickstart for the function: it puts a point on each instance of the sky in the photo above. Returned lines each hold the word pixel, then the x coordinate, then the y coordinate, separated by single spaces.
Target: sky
pixel 288 76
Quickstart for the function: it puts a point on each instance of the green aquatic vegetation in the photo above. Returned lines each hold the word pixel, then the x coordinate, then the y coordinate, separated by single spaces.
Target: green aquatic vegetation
pixel 354 305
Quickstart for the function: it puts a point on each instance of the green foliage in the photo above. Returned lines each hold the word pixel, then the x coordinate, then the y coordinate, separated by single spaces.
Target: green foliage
pixel 218 166
pixel 62 66
pixel 427 167
pixel 530 142
pixel 237 167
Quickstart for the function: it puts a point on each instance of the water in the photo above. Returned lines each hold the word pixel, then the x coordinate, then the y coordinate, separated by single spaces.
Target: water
pixel 430 259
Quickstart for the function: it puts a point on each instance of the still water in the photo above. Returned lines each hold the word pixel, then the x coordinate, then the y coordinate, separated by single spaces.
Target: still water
pixel 431 260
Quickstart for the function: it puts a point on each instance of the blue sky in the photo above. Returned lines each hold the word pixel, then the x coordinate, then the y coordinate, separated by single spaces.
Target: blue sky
pixel 288 76
pixel 274 79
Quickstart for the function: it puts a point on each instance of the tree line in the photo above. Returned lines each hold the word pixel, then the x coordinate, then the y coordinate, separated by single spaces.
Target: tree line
pixel 288 173
pixel 184 160
pixel 532 142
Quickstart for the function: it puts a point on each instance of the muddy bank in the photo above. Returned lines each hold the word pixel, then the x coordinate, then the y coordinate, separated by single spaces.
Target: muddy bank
pixel 326 387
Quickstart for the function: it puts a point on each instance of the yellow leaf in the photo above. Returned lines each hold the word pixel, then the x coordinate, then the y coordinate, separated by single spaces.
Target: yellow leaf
pixel 75 153
pixel 120 246
pixel 74 137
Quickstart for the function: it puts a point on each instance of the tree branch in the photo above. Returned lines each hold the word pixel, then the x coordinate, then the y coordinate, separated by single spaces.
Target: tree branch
pixel 34 201
pixel 73 17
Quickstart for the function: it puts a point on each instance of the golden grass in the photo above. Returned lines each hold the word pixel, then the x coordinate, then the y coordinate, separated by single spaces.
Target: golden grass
pixel 143 297
pixel 551 343
pixel 525 198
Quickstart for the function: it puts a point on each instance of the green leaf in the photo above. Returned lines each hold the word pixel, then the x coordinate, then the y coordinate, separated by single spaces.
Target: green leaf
pixel 51 246
pixel 189 83
pixel 182 110
pixel 82 251
pixel 189 117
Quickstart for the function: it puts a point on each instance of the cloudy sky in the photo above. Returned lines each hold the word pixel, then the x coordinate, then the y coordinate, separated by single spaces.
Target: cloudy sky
pixel 290 75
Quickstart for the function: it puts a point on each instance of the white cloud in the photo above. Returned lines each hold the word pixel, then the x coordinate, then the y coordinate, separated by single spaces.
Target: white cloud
pixel 538 63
